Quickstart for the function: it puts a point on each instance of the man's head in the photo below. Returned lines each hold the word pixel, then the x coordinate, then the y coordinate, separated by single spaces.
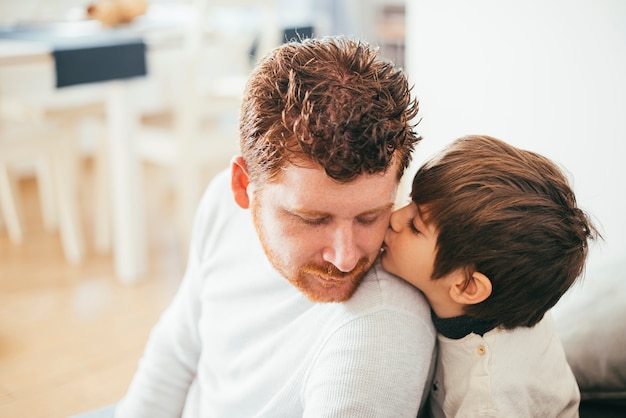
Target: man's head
pixel 326 135
pixel 506 225
pixel 331 102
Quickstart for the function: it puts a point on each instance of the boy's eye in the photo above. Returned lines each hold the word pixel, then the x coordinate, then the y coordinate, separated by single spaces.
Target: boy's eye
pixel 412 227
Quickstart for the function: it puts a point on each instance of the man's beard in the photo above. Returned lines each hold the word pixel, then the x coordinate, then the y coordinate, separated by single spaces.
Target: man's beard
pixel 319 283
pixel 327 283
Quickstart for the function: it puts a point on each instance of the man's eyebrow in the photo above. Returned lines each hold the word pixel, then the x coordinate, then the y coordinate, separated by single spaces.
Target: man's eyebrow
pixel 379 209
pixel 373 211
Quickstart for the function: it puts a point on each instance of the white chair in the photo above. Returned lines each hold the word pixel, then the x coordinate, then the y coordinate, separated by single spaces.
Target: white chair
pixel 208 83
pixel 50 145
pixel 30 97
pixel 38 129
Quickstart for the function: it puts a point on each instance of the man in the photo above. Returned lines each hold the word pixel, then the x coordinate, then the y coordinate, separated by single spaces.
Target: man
pixel 254 330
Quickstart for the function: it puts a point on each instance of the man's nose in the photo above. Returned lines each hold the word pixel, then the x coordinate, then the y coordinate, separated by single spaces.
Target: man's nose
pixel 342 252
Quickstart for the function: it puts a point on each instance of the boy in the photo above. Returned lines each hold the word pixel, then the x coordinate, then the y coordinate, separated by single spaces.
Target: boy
pixel 493 238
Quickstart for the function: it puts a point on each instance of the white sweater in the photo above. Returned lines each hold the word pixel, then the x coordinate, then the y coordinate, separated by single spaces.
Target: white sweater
pixel 239 340
pixel 520 373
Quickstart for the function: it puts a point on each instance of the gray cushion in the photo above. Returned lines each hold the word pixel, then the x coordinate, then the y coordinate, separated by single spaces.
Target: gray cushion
pixel 591 321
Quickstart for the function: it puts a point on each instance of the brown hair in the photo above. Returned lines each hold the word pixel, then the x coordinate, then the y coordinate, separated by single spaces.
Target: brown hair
pixel 328 101
pixel 509 214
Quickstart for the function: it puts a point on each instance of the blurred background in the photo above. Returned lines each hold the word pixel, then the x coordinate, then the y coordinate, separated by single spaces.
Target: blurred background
pixel 99 179
pixel 114 115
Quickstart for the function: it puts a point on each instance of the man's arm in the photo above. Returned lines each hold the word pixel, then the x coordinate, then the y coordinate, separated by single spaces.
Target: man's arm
pixel 169 363
pixel 168 366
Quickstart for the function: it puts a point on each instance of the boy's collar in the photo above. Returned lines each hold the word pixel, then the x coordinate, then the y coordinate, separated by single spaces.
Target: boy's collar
pixel 459 326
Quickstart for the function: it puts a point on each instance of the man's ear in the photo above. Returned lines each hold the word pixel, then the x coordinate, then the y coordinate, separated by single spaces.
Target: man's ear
pixel 476 290
pixel 239 181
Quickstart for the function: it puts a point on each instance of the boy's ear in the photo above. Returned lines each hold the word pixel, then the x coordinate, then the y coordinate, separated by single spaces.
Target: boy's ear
pixel 476 290
pixel 239 181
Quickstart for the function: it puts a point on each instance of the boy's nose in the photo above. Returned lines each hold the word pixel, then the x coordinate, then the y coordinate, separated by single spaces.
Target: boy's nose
pixel 394 221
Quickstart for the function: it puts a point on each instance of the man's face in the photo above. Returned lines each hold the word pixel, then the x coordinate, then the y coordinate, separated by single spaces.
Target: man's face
pixel 323 236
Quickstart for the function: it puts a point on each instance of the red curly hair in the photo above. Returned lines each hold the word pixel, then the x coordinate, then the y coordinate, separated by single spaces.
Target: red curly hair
pixel 331 102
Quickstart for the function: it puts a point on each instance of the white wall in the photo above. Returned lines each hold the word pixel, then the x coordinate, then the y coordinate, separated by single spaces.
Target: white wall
pixel 549 76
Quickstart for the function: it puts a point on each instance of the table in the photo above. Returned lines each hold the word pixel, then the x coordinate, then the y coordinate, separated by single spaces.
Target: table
pixel 129 229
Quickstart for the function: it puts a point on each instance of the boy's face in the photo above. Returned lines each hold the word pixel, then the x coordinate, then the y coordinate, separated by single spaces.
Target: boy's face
pixel 409 252
pixel 410 247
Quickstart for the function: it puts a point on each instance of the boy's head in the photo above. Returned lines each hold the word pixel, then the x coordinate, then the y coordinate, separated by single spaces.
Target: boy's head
pixel 507 237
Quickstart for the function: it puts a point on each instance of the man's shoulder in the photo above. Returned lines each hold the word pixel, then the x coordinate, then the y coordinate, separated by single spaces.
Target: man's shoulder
pixel 382 290
pixel 217 216
pixel 217 201
pixel 217 189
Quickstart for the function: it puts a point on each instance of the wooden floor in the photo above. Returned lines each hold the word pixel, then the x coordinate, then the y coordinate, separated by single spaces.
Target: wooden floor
pixel 71 336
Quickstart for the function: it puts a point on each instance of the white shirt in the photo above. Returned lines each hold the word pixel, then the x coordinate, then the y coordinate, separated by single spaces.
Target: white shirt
pixel 239 340
pixel 518 373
